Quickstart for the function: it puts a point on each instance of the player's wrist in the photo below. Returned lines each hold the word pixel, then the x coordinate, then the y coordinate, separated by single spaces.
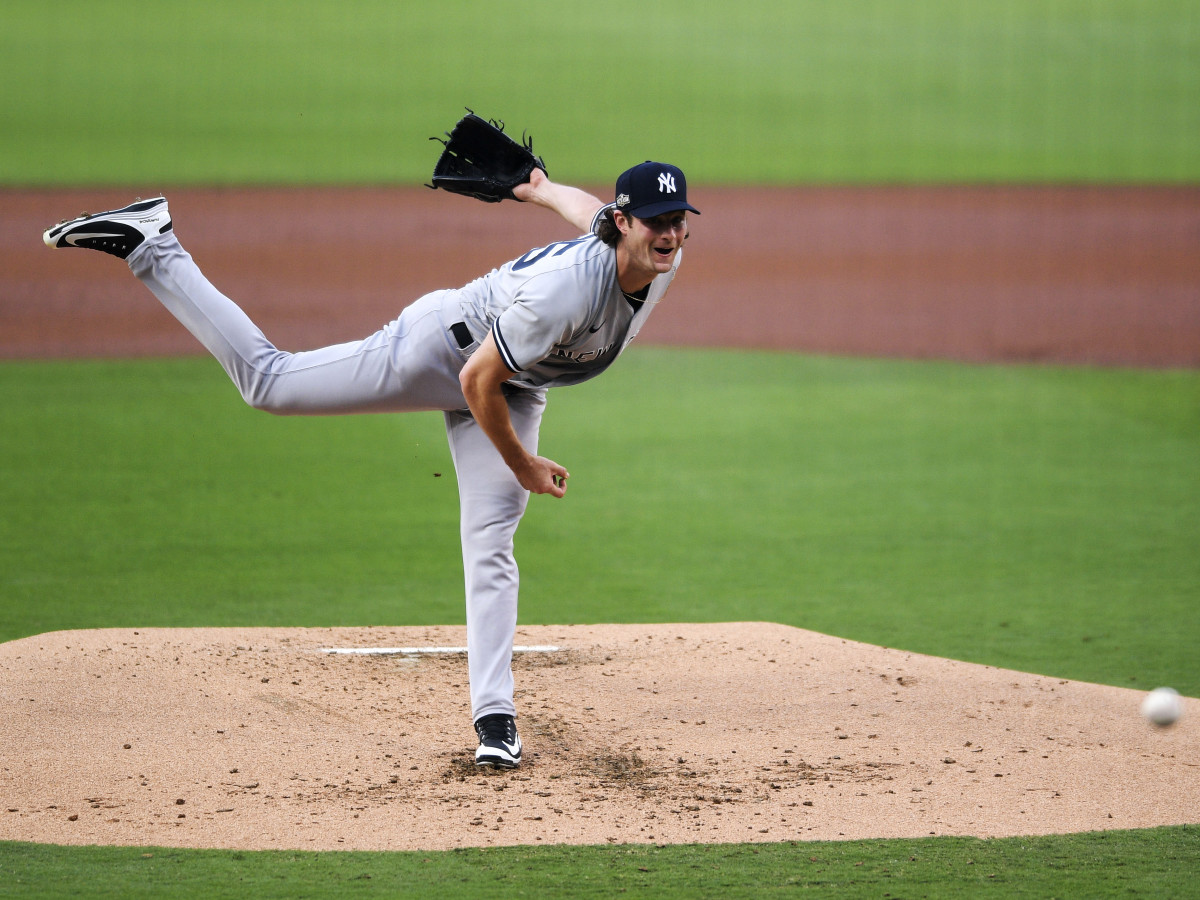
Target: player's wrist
pixel 522 462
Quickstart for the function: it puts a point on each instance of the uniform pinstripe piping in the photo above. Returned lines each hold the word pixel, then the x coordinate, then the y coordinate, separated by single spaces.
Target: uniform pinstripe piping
pixel 505 354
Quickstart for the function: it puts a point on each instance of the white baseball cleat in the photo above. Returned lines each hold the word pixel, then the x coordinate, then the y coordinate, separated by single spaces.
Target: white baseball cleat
pixel 118 231
pixel 499 743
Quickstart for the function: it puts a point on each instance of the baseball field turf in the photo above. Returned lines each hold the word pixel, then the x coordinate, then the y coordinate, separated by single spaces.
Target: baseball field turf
pixel 864 90
pixel 1033 517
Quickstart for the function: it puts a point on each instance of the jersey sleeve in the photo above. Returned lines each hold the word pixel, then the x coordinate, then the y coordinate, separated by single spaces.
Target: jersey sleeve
pixel 547 312
pixel 551 294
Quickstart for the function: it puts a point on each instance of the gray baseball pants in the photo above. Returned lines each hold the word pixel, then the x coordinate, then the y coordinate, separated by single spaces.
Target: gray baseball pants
pixel 411 364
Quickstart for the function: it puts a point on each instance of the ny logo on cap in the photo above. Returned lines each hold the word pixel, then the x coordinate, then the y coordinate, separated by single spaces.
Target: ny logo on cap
pixel 666 183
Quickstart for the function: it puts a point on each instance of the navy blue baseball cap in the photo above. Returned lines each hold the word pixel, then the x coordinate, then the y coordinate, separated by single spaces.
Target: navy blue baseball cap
pixel 651 189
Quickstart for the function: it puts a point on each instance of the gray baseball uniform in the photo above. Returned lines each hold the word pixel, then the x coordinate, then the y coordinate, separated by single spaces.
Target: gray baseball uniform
pixel 558 317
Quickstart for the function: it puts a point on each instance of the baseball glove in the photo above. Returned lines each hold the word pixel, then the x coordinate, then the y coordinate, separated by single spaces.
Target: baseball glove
pixel 483 162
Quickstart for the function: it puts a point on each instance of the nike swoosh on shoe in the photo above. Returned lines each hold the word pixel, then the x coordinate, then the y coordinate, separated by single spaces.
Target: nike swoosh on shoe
pixel 73 239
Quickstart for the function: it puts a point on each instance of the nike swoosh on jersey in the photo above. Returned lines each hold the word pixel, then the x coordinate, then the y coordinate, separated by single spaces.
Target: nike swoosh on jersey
pixel 597 328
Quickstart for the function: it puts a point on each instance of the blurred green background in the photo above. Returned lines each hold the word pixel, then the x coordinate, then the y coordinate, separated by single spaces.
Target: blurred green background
pixel 234 91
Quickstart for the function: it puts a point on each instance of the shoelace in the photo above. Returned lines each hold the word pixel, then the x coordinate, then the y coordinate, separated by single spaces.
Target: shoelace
pixel 497 727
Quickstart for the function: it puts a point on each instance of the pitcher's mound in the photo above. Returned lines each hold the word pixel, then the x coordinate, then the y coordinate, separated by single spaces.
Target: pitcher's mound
pixel 260 738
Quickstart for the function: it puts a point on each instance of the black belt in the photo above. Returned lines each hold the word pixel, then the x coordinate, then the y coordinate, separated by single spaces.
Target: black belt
pixel 462 335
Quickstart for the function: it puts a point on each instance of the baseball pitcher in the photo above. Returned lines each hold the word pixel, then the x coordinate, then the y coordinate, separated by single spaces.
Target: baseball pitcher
pixel 484 354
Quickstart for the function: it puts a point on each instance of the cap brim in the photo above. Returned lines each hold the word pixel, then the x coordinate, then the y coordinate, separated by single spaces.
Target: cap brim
pixel 650 210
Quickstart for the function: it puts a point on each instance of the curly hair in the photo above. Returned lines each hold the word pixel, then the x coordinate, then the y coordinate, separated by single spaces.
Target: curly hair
pixel 607 230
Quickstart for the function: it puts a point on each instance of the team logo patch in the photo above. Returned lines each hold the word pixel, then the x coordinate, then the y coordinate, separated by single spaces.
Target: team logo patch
pixel 666 183
pixel 622 199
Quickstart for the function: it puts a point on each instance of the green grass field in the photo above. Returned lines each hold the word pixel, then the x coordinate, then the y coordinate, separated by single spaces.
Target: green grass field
pixel 1026 517
pixel 138 93
pixel 1160 863
pixel 1040 518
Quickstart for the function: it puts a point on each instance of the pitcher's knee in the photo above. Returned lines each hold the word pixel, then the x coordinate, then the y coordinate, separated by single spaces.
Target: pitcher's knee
pixel 270 402
pixel 259 387
pixel 262 402
pixel 250 386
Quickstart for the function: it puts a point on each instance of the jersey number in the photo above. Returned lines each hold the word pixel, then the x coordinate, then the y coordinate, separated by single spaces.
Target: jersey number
pixel 556 249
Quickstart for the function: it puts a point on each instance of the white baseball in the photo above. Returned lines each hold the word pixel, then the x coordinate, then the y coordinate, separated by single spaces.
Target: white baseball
pixel 1162 706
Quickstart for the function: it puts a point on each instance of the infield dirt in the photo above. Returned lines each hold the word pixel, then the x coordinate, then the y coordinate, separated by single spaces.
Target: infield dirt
pixel 1076 275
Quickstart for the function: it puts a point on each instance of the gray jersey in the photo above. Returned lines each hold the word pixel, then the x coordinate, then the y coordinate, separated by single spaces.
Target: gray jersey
pixel 557 314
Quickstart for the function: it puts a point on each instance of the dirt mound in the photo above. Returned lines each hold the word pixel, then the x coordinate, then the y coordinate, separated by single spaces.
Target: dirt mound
pixel 735 732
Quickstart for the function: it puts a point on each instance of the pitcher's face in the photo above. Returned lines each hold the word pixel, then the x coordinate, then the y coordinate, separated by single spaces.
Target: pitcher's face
pixel 648 246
